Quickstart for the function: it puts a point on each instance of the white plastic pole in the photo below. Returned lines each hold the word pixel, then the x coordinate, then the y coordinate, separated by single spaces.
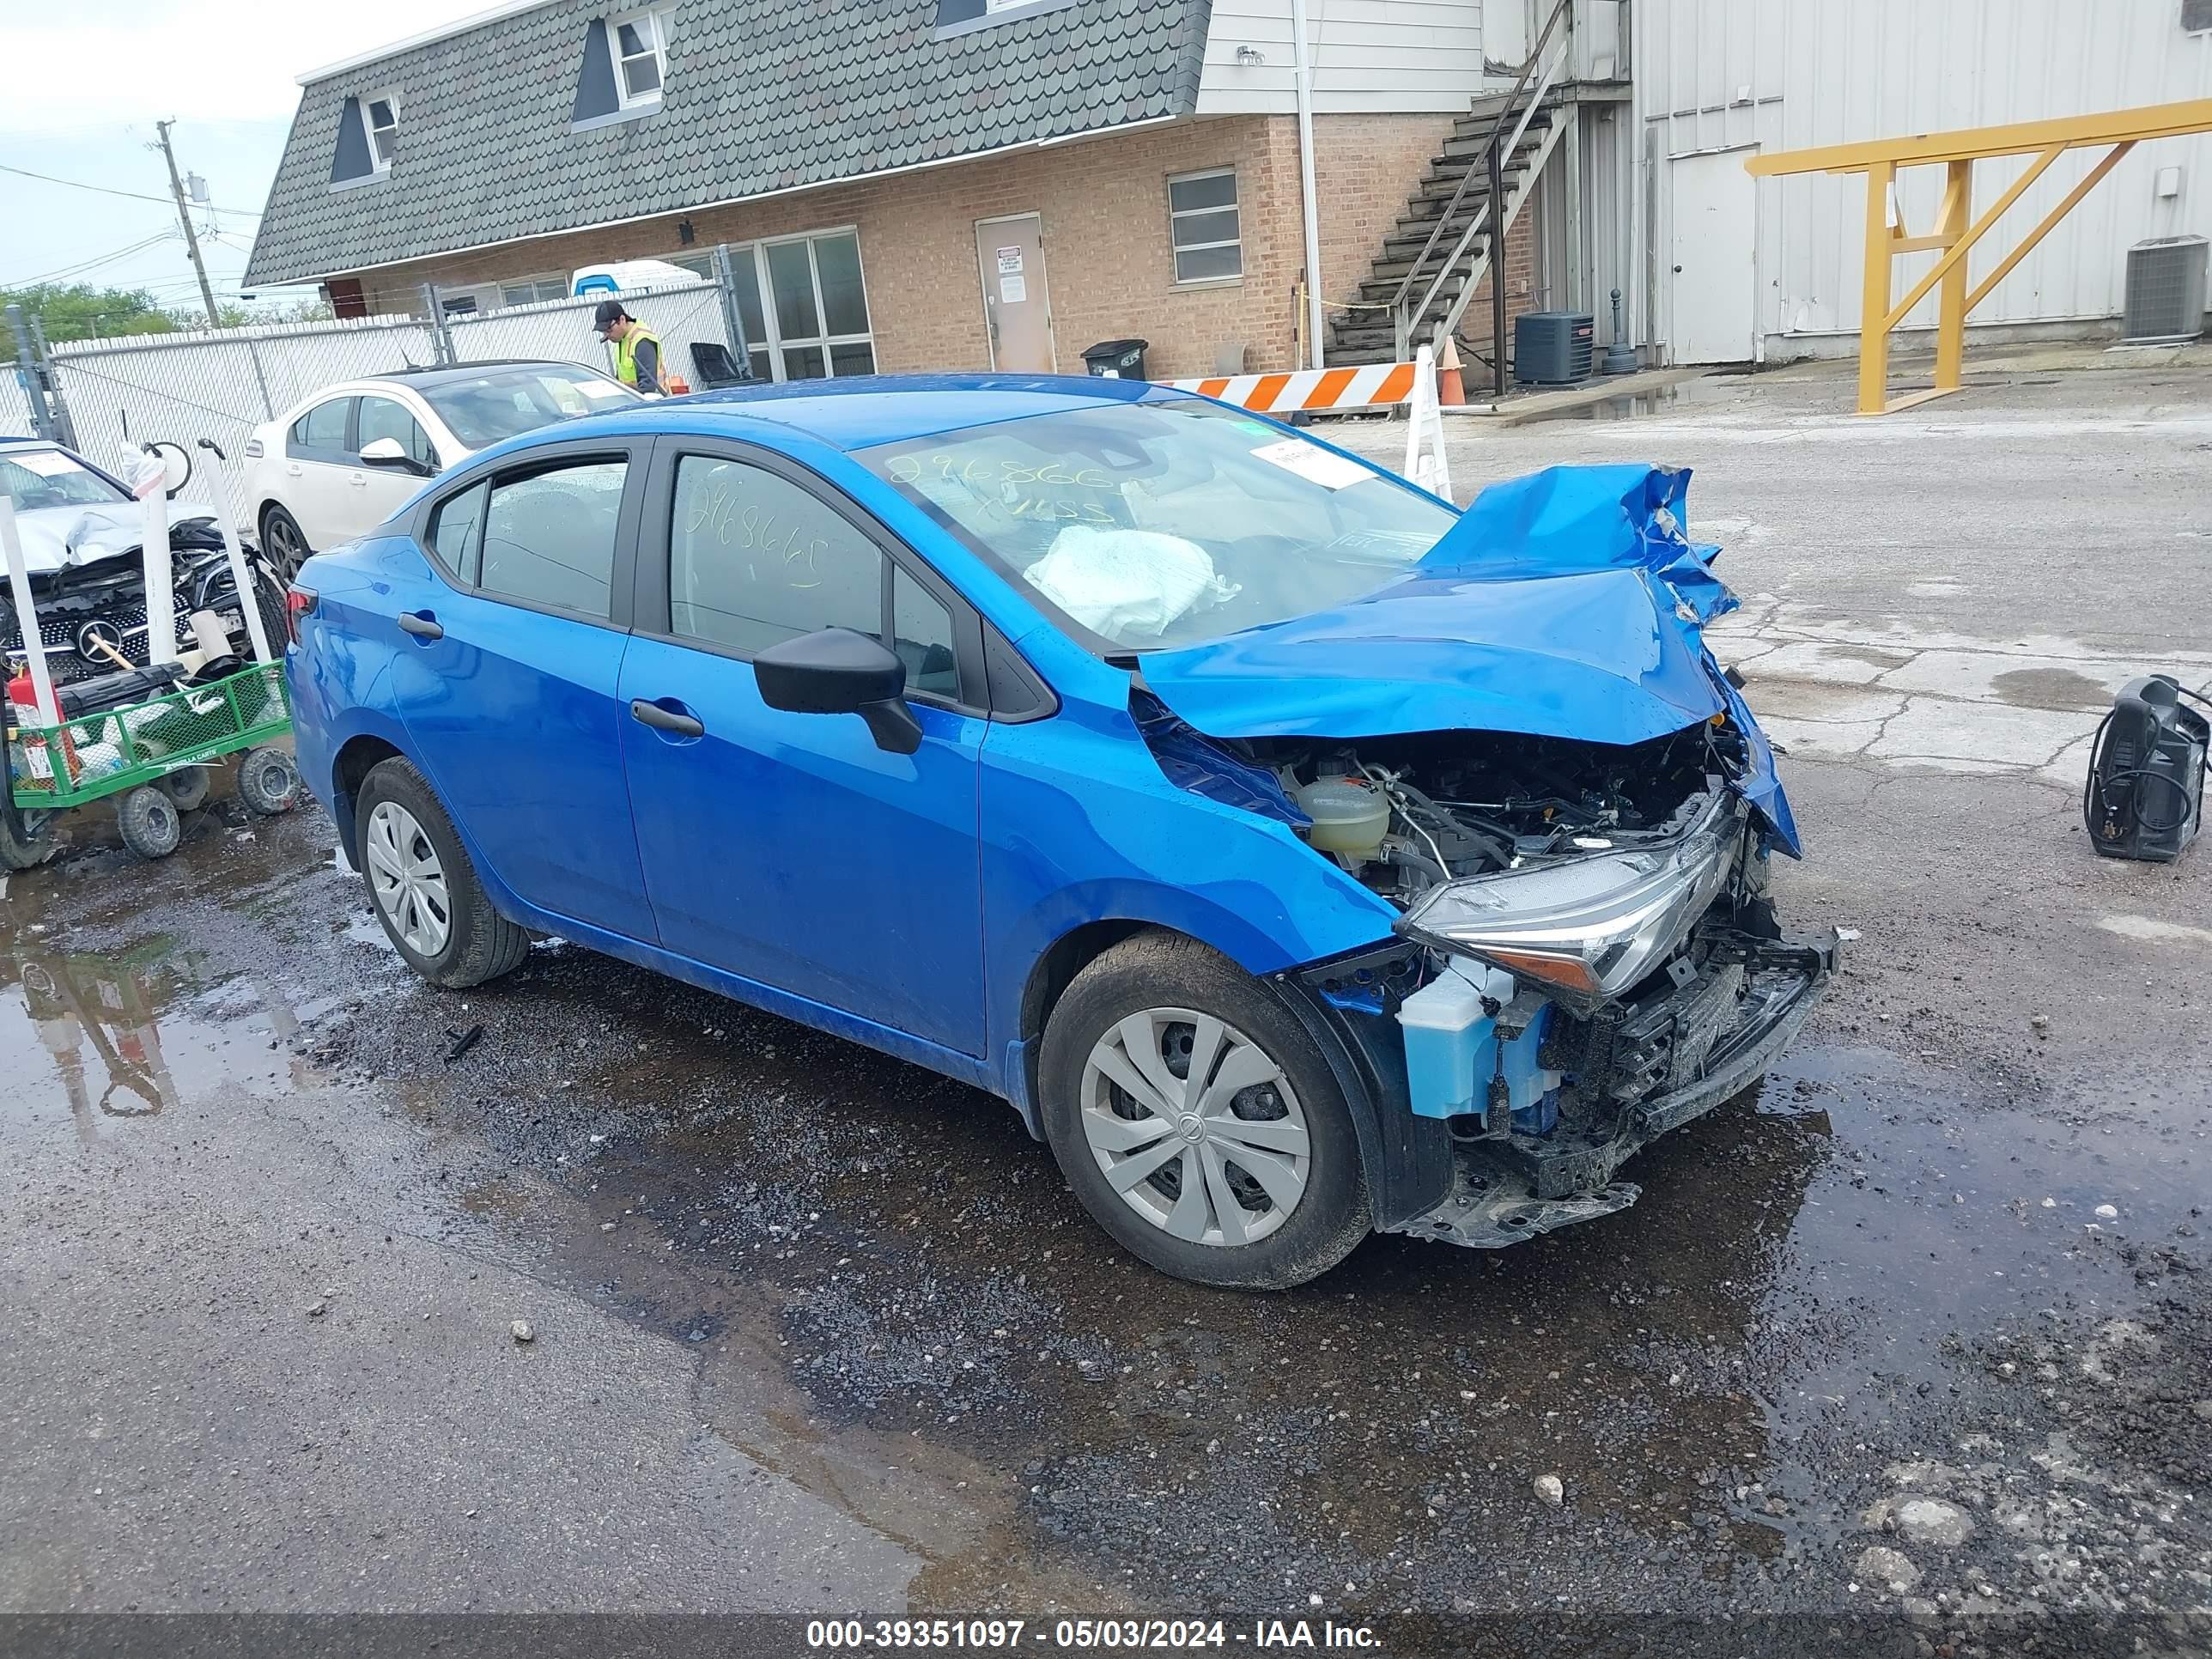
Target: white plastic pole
pixel 161 590
pixel 241 577
pixel 1302 61
pixel 1425 430
pixel 27 616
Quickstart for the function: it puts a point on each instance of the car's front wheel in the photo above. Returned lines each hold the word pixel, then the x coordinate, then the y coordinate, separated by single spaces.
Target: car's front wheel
pixel 1196 1120
pixel 423 887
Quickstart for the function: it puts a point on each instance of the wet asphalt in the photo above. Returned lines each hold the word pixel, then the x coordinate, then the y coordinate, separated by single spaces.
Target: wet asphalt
pixel 811 1330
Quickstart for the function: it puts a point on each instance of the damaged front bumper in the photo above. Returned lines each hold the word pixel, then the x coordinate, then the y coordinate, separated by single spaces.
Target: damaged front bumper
pixel 1704 1042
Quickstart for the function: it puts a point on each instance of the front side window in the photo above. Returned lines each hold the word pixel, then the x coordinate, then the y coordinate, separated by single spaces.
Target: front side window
pixel 380 115
pixel 45 478
pixel 1203 227
pixel 549 537
pixel 482 409
pixel 382 417
pixel 753 560
pixel 1162 524
pixel 639 43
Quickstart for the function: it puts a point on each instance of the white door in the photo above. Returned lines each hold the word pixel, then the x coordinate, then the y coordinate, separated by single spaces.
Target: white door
pixel 1716 238
pixel 319 464
pixel 378 492
pixel 1017 310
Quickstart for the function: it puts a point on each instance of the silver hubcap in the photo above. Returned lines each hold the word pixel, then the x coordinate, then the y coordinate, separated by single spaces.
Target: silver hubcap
pixel 1195 1127
pixel 408 882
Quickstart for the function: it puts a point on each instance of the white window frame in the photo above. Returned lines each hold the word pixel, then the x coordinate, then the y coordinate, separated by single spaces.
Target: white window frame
pixel 1235 202
pixel 534 281
pixel 655 24
pixel 755 255
pixel 379 163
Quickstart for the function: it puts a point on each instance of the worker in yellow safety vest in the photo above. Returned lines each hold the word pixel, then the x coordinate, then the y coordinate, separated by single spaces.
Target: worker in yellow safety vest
pixel 637 348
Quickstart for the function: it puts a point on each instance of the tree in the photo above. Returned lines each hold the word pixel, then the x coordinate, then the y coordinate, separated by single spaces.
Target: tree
pixel 77 311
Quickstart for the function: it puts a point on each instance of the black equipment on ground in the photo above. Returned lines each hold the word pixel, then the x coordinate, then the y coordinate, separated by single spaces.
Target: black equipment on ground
pixel 2145 796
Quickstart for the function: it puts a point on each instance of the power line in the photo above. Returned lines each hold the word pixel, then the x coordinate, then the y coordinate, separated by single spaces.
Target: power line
pixel 104 190
pixel 80 267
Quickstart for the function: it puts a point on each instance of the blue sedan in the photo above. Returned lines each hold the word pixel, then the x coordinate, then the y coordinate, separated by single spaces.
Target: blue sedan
pixel 1300 856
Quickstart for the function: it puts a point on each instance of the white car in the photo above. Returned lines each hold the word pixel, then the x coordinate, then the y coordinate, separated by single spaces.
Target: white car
pixel 340 463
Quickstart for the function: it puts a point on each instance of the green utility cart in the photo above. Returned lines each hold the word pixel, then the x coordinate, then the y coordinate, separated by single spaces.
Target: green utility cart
pixel 152 758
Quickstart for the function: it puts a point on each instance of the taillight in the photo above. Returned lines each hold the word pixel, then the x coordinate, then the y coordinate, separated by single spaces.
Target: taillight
pixel 298 602
pixel 253 449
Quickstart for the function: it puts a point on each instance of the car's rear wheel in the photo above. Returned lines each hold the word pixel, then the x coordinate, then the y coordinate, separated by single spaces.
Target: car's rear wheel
pixel 1196 1120
pixel 423 887
pixel 283 544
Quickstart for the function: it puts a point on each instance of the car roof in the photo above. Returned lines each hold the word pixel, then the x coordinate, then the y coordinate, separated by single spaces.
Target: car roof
pixel 859 412
pixel 426 377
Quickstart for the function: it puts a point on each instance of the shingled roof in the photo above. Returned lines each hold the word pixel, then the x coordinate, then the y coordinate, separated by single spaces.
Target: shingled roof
pixel 760 95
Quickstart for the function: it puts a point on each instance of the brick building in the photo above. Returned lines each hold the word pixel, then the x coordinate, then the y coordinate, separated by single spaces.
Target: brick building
pixel 904 185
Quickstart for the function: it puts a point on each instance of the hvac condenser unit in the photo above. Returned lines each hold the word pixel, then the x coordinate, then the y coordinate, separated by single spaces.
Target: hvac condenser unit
pixel 1551 348
pixel 2165 291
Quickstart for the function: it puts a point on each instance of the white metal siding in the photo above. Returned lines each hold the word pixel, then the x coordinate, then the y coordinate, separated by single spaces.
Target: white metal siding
pixel 1794 74
pixel 1368 55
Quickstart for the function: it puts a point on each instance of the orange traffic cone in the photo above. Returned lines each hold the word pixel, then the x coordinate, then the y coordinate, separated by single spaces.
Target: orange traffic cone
pixel 1451 386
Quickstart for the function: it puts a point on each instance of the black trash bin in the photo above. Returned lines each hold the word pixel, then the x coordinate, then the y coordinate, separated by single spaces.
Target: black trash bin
pixel 1117 360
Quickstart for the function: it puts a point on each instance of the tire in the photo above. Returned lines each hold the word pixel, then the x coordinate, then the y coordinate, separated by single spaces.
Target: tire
pixel 269 598
pixel 18 852
pixel 268 780
pixel 186 787
pixel 1312 1210
pixel 284 545
pixel 436 916
pixel 149 823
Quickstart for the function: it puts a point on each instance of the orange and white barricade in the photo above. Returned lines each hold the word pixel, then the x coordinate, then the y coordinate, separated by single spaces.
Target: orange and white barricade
pixel 1371 386
pixel 1338 391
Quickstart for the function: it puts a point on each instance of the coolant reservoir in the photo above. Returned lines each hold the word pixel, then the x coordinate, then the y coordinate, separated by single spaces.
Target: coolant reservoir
pixel 1350 815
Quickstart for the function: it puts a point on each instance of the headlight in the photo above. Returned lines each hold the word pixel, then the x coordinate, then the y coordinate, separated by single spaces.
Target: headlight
pixel 1586 929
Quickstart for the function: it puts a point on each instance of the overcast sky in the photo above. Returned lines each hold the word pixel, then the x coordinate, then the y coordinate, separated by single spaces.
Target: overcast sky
pixel 226 73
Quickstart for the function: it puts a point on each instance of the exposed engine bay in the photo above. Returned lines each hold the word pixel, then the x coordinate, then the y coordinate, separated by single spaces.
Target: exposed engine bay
pixel 1405 813
pixel 89 609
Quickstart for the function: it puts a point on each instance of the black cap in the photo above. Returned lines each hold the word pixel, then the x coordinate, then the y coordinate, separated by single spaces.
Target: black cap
pixel 608 315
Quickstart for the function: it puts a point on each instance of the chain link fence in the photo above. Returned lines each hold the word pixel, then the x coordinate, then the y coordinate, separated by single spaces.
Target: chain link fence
pixel 560 331
pixel 17 420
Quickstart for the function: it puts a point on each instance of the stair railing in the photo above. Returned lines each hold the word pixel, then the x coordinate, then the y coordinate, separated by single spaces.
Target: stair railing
pixel 1412 317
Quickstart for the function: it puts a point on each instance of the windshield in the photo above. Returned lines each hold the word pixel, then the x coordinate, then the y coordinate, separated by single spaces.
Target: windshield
pixel 1157 523
pixel 46 478
pixel 505 403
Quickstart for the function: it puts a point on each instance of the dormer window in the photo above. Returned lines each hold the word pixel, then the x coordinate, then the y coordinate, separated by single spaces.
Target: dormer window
pixel 639 44
pixel 379 118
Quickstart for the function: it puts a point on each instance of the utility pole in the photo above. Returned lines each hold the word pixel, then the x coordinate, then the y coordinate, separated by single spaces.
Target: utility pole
pixel 185 218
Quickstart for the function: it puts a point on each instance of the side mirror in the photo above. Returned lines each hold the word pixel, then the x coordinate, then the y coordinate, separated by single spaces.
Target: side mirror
pixel 388 451
pixel 837 671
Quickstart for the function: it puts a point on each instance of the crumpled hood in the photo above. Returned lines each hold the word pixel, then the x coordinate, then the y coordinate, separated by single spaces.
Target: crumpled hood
pixel 62 537
pixel 1567 603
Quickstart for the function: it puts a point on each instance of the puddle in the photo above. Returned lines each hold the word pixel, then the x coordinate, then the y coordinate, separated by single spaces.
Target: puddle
pixel 1660 400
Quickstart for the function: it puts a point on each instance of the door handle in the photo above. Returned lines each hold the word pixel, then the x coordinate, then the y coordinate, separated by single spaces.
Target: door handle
pixel 666 720
pixel 422 624
pixel 359 480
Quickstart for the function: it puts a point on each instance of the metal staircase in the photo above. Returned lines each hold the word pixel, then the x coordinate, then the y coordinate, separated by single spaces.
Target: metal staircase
pixel 1442 246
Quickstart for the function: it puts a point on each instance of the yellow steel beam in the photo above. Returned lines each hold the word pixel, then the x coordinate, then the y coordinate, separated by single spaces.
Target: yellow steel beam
pixel 2107 127
pixel 2105 165
pixel 1874 299
pixel 1960 246
pixel 1951 314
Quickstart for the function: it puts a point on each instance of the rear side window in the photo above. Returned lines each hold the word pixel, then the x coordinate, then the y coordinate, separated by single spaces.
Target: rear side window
pixel 549 537
pixel 322 428
pixel 454 530
pixel 753 560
